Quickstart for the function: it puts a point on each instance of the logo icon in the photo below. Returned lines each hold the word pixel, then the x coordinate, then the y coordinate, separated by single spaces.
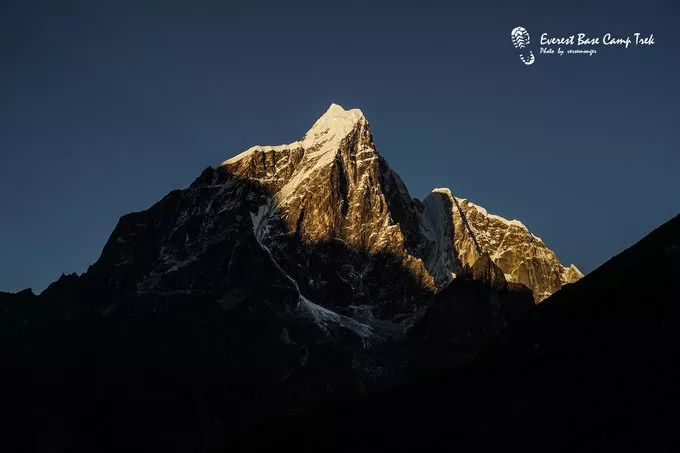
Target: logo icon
pixel 521 40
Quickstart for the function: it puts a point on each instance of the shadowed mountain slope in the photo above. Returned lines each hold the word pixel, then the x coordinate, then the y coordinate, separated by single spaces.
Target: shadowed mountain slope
pixel 593 368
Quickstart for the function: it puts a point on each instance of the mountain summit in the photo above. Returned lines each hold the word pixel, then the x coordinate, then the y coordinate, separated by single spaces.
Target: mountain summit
pixel 321 227
pixel 287 276
pixel 332 185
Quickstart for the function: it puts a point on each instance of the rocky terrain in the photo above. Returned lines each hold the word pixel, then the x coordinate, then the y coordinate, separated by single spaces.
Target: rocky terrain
pixel 285 277
pixel 522 256
pixel 592 368
pixel 332 185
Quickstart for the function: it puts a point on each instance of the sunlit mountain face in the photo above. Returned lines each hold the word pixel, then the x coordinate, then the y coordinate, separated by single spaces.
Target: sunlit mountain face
pixel 292 277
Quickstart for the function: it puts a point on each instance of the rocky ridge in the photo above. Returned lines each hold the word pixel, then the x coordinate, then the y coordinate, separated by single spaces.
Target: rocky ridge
pixel 332 185
pixel 287 276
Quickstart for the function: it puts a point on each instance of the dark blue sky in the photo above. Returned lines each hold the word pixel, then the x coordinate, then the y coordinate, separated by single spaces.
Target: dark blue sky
pixel 107 106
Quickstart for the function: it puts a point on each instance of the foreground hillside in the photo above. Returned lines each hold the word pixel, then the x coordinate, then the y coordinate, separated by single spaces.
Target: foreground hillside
pixel 593 368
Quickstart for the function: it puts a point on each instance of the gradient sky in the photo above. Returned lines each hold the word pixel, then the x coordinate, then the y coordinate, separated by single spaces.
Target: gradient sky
pixel 107 106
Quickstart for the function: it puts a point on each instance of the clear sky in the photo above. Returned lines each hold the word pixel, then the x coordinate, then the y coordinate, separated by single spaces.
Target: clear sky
pixel 107 106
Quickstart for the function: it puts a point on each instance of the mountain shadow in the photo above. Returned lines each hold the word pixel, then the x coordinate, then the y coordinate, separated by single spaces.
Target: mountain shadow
pixel 593 368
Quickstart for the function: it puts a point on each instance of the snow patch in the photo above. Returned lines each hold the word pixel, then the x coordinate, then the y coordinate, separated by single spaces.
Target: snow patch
pixel 323 317
pixel 483 211
pixel 326 319
pixel 324 135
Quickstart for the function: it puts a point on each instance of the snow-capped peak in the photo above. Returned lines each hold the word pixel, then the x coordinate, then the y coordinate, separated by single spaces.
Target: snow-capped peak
pixel 482 211
pixel 485 213
pixel 288 166
pixel 443 190
pixel 326 133
pixel 333 185
pixel 335 123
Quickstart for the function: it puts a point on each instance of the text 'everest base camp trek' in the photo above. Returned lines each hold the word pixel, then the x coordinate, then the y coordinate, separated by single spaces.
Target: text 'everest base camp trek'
pixel 295 273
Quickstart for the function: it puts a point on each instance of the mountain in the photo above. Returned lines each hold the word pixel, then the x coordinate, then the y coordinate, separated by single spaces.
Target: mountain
pixel 522 256
pixel 323 221
pixel 332 186
pixel 285 277
pixel 592 368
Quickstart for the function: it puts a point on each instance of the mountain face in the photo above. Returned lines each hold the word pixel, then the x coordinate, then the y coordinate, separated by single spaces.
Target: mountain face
pixel 336 218
pixel 286 276
pixel 330 217
pixel 465 318
pixel 592 368
pixel 332 186
pixel 522 256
